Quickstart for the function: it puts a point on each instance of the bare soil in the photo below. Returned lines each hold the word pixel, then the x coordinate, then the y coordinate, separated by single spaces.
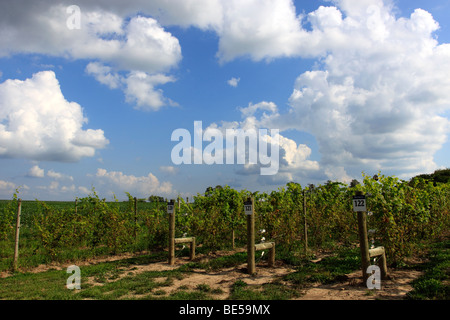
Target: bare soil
pixel 353 288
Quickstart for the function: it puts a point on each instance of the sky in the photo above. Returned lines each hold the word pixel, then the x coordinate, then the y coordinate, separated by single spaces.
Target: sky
pixel 93 92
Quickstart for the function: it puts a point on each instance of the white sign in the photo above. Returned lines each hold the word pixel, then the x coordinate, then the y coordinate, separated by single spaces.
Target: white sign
pixel 248 208
pixel 170 207
pixel 359 203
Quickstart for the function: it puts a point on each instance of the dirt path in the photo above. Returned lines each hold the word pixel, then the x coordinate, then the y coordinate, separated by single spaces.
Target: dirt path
pixel 225 278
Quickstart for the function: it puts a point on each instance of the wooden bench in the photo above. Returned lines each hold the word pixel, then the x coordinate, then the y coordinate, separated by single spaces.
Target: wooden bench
pixel 190 240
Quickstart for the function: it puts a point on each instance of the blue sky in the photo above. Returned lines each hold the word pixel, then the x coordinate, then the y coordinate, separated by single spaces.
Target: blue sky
pixel 351 86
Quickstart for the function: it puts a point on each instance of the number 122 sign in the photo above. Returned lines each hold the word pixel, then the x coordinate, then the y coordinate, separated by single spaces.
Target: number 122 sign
pixel 359 203
pixel 248 208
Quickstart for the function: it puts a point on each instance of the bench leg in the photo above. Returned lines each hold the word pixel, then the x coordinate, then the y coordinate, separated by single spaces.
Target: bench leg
pixel 272 256
pixel 192 251
pixel 383 266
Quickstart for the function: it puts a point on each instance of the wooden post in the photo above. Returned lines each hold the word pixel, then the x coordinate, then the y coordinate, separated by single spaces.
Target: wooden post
pixel 135 218
pixel 306 226
pixel 232 239
pixel 250 212
pixel 76 205
pixel 363 241
pixel 16 247
pixel 171 212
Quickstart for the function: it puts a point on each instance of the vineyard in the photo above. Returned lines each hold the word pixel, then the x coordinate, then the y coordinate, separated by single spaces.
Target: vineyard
pixel 400 216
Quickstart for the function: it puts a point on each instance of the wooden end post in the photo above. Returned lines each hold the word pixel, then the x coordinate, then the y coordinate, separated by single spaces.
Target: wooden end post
pixel 306 226
pixel 171 212
pixel 135 218
pixel 250 212
pixel 359 205
pixel 364 243
pixel 16 247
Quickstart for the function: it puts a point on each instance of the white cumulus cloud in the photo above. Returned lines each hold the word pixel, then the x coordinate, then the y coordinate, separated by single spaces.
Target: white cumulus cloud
pixel 58 175
pixel 141 90
pixel 377 102
pixel 139 43
pixel 104 74
pixel 233 82
pixel 142 185
pixel 260 29
pixel 36 172
pixel 107 35
pixel 38 123
pixel 140 87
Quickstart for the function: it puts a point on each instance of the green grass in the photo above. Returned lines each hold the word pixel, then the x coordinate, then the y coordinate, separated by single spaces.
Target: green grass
pixel 328 270
pixel 132 285
pixel 49 285
pixel 189 295
pixel 228 261
pixel 105 281
pixel 434 283
pixel 268 291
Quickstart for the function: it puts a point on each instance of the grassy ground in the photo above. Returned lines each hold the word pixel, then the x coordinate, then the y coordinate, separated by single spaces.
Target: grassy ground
pixel 435 282
pixel 124 279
